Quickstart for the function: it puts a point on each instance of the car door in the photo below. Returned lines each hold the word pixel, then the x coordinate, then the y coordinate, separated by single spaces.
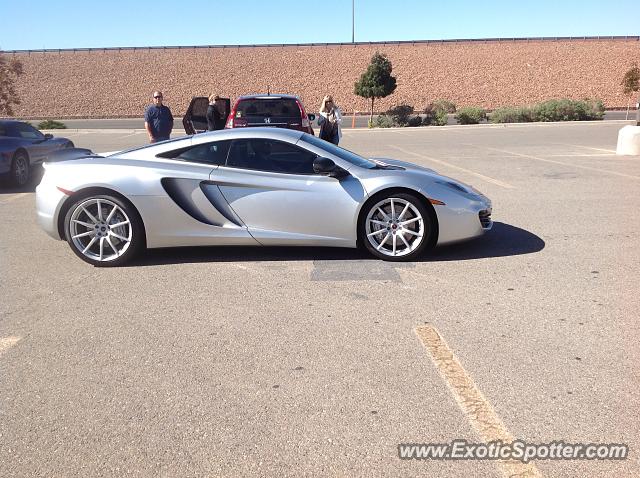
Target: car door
pixel 271 186
pixel 187 208
pixel 195 119
pixel 31 139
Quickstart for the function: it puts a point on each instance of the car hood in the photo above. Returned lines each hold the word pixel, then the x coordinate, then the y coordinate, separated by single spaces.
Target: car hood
pixel 402 164
pixel 401 168
pixel 57 141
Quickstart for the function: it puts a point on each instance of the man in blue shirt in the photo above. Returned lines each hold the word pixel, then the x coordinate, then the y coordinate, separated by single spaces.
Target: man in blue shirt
pixel 158 120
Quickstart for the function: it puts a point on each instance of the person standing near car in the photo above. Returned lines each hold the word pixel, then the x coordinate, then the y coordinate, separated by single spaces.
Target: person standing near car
pixel 330 120
pixel 158 120
pixel 215 117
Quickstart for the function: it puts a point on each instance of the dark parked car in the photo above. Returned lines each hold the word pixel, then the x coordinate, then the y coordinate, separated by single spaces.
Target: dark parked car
pixel 22 147
pixel 278 111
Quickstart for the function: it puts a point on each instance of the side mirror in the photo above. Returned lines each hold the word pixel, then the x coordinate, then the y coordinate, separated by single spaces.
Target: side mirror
pixel 327 167
pixel 311 117
pixel 48 136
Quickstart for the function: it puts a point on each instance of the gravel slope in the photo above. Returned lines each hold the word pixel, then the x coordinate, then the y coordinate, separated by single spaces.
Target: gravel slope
pixel 108 83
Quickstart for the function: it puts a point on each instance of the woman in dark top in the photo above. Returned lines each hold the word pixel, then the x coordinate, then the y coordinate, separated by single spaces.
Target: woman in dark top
pixel 215 119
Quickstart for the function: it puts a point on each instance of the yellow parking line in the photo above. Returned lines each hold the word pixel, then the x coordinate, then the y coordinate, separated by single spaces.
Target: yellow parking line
pixel 7 342
pixel 449 165
pixel 471 401
pixel 563 164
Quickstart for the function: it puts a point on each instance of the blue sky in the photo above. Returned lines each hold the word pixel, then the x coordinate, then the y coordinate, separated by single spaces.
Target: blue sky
pixel 81 24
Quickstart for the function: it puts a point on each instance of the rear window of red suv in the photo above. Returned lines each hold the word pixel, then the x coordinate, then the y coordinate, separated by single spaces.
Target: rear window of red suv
pixel 268 108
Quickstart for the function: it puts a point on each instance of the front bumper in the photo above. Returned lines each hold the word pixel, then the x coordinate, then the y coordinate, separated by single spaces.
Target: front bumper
pixel 465 221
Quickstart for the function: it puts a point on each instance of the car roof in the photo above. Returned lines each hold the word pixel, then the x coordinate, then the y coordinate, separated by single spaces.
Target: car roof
pixel 254 132
pixel 267 96
pixel 6 122
pixel 221 135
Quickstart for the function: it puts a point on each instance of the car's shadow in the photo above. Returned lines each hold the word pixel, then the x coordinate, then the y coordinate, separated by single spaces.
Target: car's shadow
pixel 36 176
pixel 502 240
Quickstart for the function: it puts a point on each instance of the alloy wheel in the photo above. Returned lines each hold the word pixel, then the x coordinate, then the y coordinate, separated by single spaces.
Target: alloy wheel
pixel 395 227
pixel 100 229
pixel 21 170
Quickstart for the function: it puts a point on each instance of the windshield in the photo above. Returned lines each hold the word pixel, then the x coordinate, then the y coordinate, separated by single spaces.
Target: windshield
pixel 342 153
pixel 268 108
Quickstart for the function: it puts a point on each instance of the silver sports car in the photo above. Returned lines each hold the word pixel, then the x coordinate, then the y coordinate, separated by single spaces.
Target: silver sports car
pixel 254 186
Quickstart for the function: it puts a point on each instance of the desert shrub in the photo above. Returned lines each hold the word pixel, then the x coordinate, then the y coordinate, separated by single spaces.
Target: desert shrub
pixel 593 109
pixel 400 114
pixel 568 110
pixel 435 114
pixel 414 121
pixel 51 124
pixel 470 115
pixel 382 121
pixel 512 114
pixel 445 105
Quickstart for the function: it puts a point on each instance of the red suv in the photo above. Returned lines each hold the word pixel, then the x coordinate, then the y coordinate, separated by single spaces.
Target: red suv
pixel 279 111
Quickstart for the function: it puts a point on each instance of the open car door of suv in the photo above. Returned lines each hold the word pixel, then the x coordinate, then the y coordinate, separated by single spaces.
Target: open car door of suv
pixel 195 119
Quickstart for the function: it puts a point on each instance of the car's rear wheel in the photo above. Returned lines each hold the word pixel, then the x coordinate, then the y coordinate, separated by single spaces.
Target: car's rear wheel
pixel 104 230
pixel 20 169
pixel 396 227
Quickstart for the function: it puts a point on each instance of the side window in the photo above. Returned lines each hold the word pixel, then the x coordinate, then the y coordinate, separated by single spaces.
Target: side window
pixel 27 131
pixel 3 131
pixel 209 153
pixel 270 155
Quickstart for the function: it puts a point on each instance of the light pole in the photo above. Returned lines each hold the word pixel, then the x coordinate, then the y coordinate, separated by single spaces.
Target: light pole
pixel 353 21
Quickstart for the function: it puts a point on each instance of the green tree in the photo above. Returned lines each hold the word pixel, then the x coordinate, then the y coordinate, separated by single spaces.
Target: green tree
pixel 631 83
pixel 376 81
pixel 10 70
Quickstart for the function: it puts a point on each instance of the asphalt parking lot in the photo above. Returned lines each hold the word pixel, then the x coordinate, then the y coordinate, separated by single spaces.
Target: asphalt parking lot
pixel 319 362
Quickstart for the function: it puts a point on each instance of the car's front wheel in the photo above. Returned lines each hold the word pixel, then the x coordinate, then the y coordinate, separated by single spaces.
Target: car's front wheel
pixel 104 230
pixel 396 227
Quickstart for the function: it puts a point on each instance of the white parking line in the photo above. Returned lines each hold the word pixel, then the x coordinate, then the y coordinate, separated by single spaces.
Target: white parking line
pixel 7 342
pixel 560 162
pixel 449 165
pixel 471 401
pixel 133 134
pixel 588 147
pixel 581 155
pixel 13 197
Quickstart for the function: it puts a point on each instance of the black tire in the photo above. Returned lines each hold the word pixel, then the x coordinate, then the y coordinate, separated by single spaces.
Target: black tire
pixel 418 235
pixel 20 169
pixel 101 231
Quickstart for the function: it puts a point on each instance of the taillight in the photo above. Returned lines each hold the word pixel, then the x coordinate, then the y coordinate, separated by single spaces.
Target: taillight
pixel 231 117
pixel 305 118
pixel 238 123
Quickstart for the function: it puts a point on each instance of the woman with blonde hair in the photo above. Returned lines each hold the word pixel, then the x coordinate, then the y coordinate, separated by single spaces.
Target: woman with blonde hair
pixel 330 120
pixel 215 117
